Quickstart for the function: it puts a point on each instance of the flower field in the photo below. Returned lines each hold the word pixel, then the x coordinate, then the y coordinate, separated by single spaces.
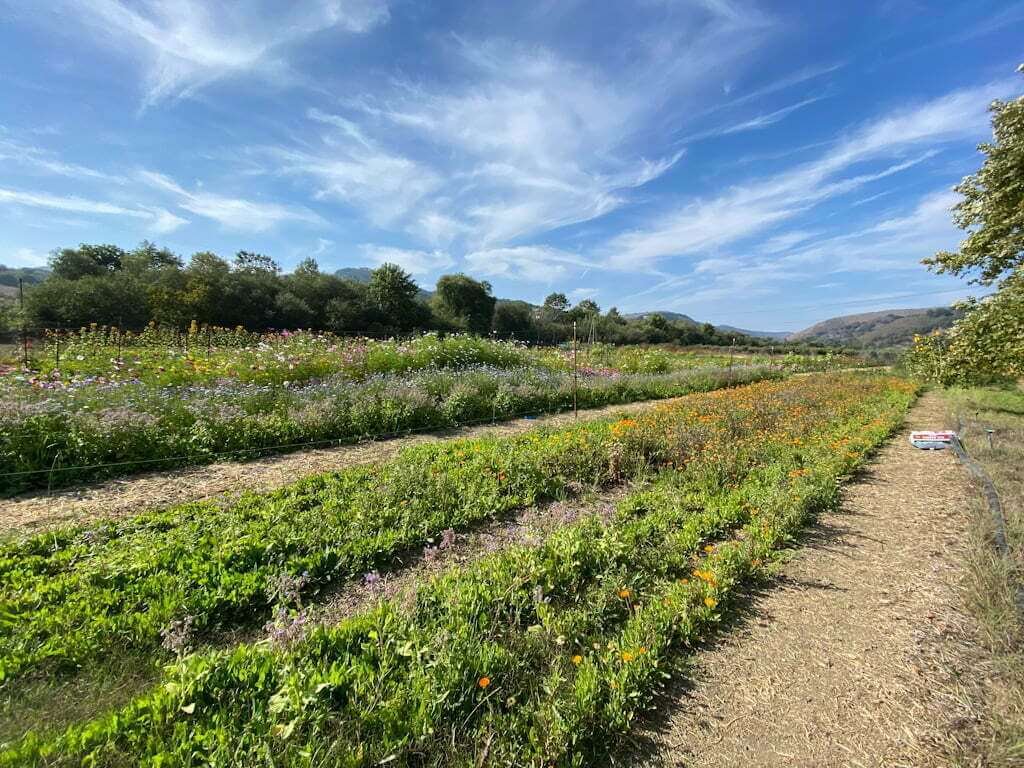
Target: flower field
pixel 153 405
pixel 538 654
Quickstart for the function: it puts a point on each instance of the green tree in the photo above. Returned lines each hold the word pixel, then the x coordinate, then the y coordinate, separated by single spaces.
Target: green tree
pixel 992 208
pixel 514 319
pixel 392 293
pixel 464 302
pixel 988 341
pixel 86 260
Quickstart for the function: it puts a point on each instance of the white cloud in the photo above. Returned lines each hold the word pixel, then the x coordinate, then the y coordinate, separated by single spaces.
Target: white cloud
pixel 785 241
pixel 521 139
pixel 897 243
pixel 415 262
pixel 40 159
pixel 186 44
pixel 160 221
pixel 230 212
pixel 533 263
pixel 753 124
pixel 745 210
pixel 579 294
pixel 24 257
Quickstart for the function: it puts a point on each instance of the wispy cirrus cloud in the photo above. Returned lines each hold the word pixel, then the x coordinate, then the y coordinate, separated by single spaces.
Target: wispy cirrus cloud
pixel 757 123
pixel 747 209
pixel 160 220
pixel 519 139
pixel 413 261
pixel 39 159
pixel 186 44
pixel 532 263
pixel 231 212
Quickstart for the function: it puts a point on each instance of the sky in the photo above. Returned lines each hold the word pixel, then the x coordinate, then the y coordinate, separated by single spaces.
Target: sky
pixel 764 165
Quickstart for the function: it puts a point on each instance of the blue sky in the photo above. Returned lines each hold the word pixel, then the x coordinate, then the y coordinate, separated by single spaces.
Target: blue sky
pixel 762 164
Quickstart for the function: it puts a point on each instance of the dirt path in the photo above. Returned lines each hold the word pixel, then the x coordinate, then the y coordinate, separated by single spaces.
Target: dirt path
pixel 856 656
pixel 123 496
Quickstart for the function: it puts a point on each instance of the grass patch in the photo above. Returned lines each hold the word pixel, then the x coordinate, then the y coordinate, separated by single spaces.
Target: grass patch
pixel 993 582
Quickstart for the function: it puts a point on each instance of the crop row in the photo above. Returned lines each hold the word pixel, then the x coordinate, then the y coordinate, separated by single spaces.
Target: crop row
pixel 68 595
pixel 89 433
pixel 535 655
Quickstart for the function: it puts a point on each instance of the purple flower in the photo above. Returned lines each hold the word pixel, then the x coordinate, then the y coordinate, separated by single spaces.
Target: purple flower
pixel 286 629
pixel 287 588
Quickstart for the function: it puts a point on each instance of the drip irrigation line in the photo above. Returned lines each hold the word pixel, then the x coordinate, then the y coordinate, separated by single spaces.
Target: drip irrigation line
pixel 995 506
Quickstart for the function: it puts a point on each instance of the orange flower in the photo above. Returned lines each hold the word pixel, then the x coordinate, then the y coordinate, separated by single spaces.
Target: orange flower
pixel 624 593
pixel 483 682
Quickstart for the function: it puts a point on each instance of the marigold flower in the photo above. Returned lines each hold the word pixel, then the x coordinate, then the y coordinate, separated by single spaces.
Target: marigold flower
pixel 483 682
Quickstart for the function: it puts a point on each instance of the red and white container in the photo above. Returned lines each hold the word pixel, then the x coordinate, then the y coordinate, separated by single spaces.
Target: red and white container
pixel 932 441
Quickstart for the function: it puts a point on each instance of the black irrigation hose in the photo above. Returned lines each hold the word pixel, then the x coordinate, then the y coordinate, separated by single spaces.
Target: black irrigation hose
pixel 995 507
pixel 991 496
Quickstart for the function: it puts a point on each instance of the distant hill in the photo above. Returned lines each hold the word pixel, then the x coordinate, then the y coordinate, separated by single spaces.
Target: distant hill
pixel 9 275
pixel 362 275
pixel 780 335
pixel 355 274
pixel 888 328
pixel 674 317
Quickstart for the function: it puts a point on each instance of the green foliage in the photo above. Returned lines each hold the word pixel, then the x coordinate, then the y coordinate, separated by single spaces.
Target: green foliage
pixel 126 581
pixel 534 656
pixel 393 292
pixel 164 406
pixel 513 320
pixel 987 344
pixel 992 208
pixel 464 302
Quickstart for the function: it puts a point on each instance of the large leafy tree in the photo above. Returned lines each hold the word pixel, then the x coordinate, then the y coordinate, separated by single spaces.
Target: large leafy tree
pixel 992 208
pixel 988 342
pixel 86 261
pixel 464 302
pixel 392 293
pixel 514 319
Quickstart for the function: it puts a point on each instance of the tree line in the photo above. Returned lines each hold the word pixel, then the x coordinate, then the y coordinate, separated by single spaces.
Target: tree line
pixel 108 285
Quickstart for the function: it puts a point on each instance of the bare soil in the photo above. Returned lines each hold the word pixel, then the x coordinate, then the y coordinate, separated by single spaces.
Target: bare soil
pixel 32 512
pixel 861 654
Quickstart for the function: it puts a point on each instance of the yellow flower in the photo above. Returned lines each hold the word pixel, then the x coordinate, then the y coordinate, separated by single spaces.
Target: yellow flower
pixel 577 659
pixel 710 602
pixel 624 593
pixel 627 656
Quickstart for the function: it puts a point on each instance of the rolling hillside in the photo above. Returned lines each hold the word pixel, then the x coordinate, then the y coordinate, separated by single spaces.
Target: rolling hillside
pixel 888 328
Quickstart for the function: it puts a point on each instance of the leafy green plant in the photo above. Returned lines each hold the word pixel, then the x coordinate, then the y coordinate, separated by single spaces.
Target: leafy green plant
pixel 538 654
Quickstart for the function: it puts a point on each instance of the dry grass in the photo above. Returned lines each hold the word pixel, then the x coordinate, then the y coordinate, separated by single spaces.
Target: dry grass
pixel 991 585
